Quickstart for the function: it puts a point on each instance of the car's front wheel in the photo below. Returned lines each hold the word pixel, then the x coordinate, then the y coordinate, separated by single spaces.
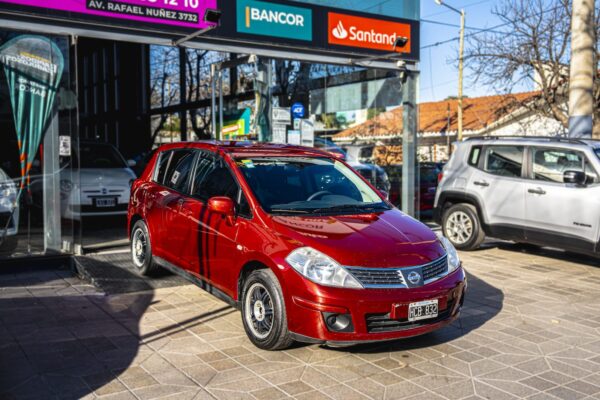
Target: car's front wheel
pixel 263 311
pixel 462 227
pixel 141 249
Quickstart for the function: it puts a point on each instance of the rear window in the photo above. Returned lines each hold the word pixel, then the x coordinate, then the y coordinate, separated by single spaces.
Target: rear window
pixel 474 156
pixel 178 172
pixel 161 167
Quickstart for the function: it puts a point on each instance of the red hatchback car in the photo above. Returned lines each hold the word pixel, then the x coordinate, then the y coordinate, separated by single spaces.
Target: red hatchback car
pixel 297 240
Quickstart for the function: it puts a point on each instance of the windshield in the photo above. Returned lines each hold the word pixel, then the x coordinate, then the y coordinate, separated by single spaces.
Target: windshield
pixel 100 156
pixel 300 185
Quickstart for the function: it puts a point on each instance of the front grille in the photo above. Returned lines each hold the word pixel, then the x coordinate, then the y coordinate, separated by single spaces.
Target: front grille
pixel 436 268
pixel 90 209
pixel 4 217
pixel 378 277
pixel 396 277
pixel 381 323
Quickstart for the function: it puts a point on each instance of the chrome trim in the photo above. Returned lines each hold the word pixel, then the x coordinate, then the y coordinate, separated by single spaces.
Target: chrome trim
pixel 401 271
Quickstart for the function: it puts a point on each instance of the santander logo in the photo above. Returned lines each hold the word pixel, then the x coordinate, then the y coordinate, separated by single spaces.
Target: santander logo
pixel 340 32
pixel 353 31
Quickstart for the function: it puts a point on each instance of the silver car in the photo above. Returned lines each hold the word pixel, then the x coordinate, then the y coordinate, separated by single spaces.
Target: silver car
pixel 9 213
pixel 544 191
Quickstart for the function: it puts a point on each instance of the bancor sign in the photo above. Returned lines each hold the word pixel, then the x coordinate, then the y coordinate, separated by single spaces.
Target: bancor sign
pixel 377 34
pixel 184 13
pixel 271 19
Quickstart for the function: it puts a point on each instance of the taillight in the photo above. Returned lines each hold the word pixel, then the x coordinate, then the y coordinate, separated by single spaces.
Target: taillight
pixel 440 176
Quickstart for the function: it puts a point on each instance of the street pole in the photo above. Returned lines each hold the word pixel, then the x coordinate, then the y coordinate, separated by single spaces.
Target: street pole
pixel 461 50
pixel 581 85
pixel 409 142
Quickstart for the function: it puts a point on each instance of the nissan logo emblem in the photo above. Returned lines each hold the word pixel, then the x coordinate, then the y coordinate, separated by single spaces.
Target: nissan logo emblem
pixel 414 277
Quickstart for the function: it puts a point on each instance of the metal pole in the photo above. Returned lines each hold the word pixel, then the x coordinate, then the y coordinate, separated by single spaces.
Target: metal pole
pixel 409 142
pixel 220 133
pixel 213 113
pixel 182 94
pixel 460 75
pixel 581 99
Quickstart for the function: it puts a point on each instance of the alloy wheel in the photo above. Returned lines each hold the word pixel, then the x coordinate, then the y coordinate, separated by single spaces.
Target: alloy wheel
pixel 259 311
pixel 139 247
pixel 459 227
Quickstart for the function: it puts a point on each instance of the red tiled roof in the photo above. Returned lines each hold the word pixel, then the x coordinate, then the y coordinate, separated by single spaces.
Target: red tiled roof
pixel 478 113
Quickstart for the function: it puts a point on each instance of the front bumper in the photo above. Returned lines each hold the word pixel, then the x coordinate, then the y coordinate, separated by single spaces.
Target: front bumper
pixel 369 309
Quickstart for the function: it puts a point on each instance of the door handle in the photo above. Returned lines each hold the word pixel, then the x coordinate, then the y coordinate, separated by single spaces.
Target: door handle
pixel 481 183
pixel 537 191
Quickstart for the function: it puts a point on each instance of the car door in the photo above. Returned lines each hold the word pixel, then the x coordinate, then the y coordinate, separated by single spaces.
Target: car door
pixel 153 203
pixel 498 184
pixel 173 198
pixel 216 237
pixel 557 213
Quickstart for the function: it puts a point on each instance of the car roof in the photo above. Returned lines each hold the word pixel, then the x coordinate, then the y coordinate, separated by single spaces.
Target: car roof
pixel 249 149
pixel 534 140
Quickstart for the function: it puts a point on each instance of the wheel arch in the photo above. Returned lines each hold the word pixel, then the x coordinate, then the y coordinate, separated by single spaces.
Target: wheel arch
pixel 450 198
pixel 134 219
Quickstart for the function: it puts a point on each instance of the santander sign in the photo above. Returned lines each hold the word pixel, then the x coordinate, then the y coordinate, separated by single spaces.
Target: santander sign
pixel 352 31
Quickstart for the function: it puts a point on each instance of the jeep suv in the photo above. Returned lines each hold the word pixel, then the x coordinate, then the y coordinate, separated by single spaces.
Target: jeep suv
pixel 544 191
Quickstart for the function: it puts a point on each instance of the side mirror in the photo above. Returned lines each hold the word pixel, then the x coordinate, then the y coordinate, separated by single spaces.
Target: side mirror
pixel 131 163
pixel 577 177
pixel 223 206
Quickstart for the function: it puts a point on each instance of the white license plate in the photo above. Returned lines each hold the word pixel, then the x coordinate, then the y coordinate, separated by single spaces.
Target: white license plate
pixel 103 203
pixel 423 310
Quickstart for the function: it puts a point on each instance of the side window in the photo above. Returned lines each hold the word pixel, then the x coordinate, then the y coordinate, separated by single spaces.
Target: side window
pixel 180 167
pixel 592 175
pixel 474 156
pixel 550 164
pixel 504 160
pixel 217 181
pixel 161 167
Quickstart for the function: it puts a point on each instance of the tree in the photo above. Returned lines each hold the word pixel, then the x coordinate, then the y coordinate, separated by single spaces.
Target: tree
pixel 531 45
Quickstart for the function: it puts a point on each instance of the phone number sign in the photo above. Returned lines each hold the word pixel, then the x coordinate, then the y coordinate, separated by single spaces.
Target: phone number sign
pixel 183 13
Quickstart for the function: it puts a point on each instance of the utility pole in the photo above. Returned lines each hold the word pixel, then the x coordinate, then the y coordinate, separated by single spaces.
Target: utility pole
pixel 581 99
pixel 461 50
pixel 409 142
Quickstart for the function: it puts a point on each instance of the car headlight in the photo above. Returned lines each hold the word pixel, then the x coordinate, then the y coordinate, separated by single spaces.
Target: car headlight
pixel 320 268
pixel 66 185
pixel 453 259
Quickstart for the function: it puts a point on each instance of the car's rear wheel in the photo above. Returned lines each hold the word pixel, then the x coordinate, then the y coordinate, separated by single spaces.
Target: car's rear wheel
pixel 263 311
pixel 141 249
pixel 462 227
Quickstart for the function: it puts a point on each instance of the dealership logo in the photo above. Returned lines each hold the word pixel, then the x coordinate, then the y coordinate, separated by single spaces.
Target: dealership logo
pixel 340 32
pixel 276 20
pixel 349 30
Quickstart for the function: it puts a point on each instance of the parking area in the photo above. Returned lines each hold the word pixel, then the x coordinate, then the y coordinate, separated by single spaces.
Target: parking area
pixel 530 328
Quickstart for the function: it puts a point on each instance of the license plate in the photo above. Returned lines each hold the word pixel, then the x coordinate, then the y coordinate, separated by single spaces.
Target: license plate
pixel 102 203
pixel 422 310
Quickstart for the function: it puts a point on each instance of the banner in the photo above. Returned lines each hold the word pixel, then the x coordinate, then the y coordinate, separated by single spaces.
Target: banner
pixel 33 67
pixel 182 13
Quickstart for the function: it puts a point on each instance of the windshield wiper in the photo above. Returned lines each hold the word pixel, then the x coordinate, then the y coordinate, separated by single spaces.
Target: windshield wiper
pixel 290 211
pixel 347 207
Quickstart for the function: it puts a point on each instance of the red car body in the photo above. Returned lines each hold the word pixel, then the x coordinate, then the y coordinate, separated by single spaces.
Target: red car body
pixel 218 253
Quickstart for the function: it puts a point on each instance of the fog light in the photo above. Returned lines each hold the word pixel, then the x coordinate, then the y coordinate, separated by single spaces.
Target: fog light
pixel 338 322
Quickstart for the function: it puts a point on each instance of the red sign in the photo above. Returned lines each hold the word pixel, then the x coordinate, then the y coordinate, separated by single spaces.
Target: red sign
pixel 348 30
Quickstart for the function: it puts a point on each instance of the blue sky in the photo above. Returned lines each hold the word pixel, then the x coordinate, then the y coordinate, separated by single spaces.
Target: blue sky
pixel 439 72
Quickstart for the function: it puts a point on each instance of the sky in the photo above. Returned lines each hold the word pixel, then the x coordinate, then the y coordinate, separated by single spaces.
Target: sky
pixel 439 70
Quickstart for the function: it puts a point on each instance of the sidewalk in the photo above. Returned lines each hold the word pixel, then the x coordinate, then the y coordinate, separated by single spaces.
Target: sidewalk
pixel 530 329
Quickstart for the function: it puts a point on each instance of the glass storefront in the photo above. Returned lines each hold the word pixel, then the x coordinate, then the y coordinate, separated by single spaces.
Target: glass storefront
pixel 38 167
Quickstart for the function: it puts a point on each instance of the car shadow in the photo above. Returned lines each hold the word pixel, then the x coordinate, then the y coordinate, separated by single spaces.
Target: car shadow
pixel 548 252
pixel 61 338
pixel 482 303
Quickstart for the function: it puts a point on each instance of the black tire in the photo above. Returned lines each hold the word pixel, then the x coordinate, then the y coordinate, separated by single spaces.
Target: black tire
pixel 268 336
pixel 8 244
pixel 143 262
pixel 462 227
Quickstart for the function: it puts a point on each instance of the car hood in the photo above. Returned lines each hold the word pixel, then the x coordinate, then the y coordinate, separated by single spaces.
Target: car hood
pixel 105 176
pixel 380 240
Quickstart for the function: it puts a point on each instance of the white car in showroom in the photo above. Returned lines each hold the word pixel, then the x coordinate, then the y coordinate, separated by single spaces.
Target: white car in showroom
pixel 9 213
pixel 103 185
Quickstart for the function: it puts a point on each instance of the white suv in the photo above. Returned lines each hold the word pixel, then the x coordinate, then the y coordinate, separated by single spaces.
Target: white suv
pixel 544 191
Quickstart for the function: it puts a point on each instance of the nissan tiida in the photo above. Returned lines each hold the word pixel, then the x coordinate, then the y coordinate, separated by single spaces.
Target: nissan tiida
pixel 304 246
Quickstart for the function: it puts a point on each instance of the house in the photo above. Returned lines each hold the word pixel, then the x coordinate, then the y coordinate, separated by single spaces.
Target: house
pixel 438 125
